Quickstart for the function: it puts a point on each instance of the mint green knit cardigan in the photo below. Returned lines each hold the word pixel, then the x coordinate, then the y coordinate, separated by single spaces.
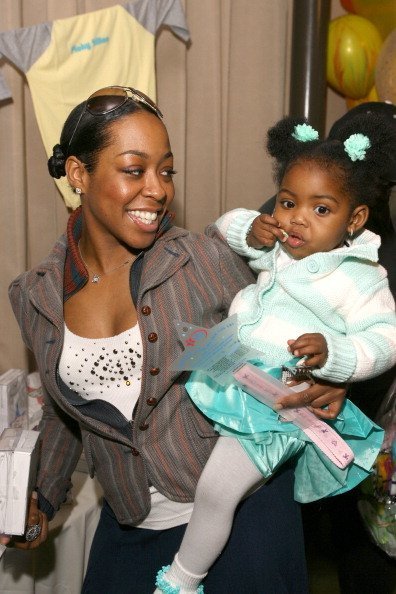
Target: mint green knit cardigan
pixel 343 294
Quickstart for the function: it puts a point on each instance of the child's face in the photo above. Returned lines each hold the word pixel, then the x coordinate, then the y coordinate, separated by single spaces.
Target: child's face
pixel 312 210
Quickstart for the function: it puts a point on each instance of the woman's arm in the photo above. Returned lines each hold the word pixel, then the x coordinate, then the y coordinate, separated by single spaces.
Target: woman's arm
pixel 60 449
pixel 318 395
pixel 60 438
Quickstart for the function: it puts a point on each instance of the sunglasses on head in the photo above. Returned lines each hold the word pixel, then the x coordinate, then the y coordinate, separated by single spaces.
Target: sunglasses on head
pixel 111 98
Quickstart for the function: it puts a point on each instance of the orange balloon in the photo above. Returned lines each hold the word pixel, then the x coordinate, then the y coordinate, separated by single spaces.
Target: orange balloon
pixel 372 96
pixel 385 72
pixel 382 13
pixel 353 46
pixel 348 5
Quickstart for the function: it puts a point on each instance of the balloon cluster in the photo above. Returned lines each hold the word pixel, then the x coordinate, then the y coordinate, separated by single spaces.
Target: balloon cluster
pixel 361 52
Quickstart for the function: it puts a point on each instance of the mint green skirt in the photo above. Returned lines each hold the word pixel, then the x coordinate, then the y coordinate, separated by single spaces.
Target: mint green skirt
pixel 269 441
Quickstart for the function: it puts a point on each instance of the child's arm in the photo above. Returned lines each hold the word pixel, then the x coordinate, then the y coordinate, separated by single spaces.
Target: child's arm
pixel 248 231
pixel 367 347
pixel 314 348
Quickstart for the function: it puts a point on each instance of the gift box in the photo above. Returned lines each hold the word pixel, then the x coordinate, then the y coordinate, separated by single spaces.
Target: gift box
pixel 13 399
pixel 35 399
pixel 18 464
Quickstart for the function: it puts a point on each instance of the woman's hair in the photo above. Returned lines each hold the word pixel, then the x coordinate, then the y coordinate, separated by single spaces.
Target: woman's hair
pixel 85 135
pixel 358 156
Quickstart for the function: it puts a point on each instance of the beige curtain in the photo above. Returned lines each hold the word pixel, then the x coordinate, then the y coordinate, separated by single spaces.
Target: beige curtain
pixel 219 94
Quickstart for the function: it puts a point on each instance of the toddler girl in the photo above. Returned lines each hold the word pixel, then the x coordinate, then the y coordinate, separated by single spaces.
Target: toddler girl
pixel 320 299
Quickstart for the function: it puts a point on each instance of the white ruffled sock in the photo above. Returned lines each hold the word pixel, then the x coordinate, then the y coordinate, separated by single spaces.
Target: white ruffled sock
pixel 178 576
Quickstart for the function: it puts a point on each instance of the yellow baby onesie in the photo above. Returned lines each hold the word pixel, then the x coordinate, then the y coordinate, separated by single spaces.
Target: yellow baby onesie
pixel 66 60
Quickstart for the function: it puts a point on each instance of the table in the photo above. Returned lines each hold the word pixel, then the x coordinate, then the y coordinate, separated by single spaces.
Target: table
pixel 57 566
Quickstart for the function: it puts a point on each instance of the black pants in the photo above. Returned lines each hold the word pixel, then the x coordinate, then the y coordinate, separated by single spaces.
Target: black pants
pixel 264 555
pixel 363 568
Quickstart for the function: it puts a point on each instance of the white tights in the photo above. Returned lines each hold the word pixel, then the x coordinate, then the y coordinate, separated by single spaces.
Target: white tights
pixel 227 478
pixel 229 475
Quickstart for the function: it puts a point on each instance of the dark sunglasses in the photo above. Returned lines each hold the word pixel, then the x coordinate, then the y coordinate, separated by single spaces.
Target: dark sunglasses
pixel 111 98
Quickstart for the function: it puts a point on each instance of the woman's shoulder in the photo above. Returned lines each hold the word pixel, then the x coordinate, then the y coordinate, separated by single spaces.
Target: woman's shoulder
pixel 209 239
pixel 208 249
pixel 55 259
pixel 210 242
pixel 210 236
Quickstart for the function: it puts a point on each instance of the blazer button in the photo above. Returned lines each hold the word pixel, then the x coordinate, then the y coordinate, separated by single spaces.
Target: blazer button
pixel 143 426
pixel 134 452
pixel 151 401
pixel 146 310
pixel 154 371
pixel 152 337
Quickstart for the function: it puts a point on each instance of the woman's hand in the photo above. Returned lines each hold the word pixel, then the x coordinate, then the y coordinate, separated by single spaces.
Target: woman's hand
pixel 34 517
pixel 265 232
pixel 315 397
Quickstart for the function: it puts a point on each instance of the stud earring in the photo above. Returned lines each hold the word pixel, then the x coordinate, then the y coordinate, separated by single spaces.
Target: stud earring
pixel 78 191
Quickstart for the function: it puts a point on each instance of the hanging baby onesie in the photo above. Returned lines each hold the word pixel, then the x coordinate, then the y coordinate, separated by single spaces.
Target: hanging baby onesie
pixel 66 60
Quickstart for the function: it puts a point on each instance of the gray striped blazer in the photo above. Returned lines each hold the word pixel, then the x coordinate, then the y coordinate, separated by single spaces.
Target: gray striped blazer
pixel 185 276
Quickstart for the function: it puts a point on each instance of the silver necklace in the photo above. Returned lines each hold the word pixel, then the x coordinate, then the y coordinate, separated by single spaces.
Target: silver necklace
pixel 96 277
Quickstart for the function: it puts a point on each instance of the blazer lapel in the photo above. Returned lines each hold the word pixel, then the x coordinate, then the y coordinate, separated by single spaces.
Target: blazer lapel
pixel 45 295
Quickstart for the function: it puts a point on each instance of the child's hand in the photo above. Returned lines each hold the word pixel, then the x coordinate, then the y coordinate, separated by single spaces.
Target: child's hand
pixel 265 232
pixel 311 346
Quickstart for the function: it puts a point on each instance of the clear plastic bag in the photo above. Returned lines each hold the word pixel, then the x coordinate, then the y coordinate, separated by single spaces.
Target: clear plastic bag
pixel 377 502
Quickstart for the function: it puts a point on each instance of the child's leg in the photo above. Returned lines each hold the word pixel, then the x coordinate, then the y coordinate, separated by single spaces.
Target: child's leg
pixel 227 477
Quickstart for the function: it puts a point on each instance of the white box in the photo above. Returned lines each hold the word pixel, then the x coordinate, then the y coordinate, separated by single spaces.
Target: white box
pixel 18 464
pixel 13 399
pixel 35 399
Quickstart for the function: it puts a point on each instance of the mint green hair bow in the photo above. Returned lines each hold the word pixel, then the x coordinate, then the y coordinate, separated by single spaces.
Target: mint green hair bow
pixel 356 146
pixel 305 133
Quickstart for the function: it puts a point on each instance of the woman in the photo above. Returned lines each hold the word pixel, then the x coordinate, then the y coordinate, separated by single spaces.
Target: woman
pixel 98 315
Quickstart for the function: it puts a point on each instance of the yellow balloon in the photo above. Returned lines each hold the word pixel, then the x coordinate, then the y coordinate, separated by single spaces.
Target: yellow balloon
pixel 385 73
pixel 372 96
pixel 352 50
pixel 382 13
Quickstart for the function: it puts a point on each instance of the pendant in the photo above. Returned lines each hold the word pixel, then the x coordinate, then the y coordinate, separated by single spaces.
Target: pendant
pixel 95 278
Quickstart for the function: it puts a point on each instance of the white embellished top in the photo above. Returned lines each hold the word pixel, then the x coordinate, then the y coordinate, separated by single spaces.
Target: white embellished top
pixel 109 369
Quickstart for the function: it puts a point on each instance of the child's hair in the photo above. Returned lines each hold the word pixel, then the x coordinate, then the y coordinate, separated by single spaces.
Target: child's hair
pixel 358 157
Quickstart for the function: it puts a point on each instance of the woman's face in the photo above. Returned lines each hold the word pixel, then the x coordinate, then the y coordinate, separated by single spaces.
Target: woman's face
pixel 132 184
pixel 313 210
